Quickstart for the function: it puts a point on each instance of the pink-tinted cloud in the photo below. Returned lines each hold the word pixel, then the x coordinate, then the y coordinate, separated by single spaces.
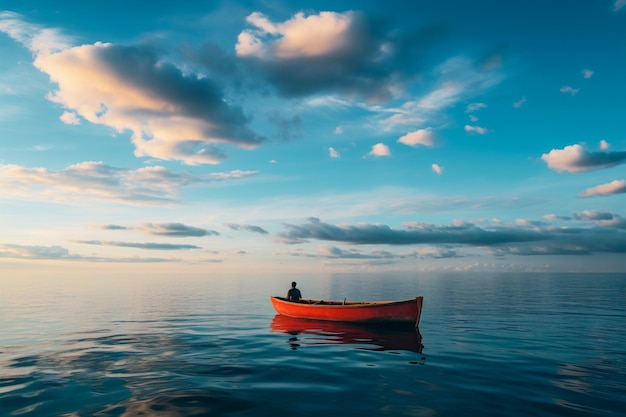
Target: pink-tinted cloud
pixel 424 137
pixel 575 158
pixel 611 188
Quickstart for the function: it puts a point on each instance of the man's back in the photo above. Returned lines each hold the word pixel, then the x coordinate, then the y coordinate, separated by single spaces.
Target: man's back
pixel 294 294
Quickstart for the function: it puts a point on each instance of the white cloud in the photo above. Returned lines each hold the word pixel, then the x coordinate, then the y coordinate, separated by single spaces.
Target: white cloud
pixel 333 153
pixel 380 149
pixel 69 118
pixel 472 107
pixel 37 39
pixel 445 95
pixel 604 145
pixel 567 89
pixel 587 73
pixel 519 103
pixel 437 169
pixel 172 115
pixel 314 35
pixel 338 130
pixel 423 137
pixel 611 188
pixel 475 129
pixel 575 158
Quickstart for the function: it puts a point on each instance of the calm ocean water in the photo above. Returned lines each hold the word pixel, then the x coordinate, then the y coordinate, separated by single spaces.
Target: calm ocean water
pixel 491 345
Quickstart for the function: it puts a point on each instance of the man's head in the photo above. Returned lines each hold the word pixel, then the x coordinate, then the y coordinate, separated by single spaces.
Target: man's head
pixel 293 284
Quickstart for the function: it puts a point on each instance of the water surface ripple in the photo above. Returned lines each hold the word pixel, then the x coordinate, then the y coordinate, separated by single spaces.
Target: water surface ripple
pixel 493 345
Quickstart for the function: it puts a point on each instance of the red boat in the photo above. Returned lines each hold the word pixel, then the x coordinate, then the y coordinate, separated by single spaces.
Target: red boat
pixel 404 311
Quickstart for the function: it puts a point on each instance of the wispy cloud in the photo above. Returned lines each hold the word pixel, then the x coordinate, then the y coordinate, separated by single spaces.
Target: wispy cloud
pixel 36 38
pixel 587 73
pixel 575 158
pixel 519 103
pixel 9 251
pixel 569 90
pixel 102 182
pixel 333 153
pixel 437 169
pixel 472 107
pixel 139 245
pixel 174 230
pixel 247 227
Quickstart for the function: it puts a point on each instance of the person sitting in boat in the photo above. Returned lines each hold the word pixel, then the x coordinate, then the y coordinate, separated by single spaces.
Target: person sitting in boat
pixel 294 294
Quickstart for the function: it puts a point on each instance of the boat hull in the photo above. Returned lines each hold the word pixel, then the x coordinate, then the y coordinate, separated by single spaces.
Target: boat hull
pixel 404 311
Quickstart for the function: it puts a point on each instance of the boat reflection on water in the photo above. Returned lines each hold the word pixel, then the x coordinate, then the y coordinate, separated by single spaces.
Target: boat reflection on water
pixel 369 337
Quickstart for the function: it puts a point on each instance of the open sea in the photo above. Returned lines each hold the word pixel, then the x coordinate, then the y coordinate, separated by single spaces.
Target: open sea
pixel 487 345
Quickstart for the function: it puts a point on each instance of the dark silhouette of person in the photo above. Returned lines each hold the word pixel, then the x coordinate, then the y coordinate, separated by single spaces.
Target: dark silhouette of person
pixel 294 294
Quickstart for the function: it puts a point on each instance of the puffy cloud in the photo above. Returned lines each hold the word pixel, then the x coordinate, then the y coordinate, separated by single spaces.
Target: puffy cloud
pixel 342 53
pixel 604 145
pixel 575 158
pixel 333 153
pixel 475 129
pixel 380 149
pixel 611 188
pixel 172 115
pixel 602 218
pixel 423 137
pixel 102 182
pixel 437 169
pixel 587 73
pixel 69 118
pixel 316 35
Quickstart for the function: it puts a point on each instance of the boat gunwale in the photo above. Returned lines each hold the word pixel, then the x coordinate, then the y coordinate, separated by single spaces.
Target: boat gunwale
pixel 348 304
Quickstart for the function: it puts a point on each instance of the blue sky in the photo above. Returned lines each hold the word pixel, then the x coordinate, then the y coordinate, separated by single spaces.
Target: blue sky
pixel 259 136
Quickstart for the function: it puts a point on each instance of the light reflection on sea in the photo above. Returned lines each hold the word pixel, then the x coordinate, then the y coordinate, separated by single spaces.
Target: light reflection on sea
pixel 514 345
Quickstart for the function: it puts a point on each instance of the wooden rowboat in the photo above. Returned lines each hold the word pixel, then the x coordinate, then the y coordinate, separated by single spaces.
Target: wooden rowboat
pixel 404 311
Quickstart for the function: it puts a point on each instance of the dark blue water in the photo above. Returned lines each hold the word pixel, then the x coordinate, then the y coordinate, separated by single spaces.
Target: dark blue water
pixel 487 345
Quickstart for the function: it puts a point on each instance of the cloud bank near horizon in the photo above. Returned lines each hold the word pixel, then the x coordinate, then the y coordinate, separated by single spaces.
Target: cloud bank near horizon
pixel 521 238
